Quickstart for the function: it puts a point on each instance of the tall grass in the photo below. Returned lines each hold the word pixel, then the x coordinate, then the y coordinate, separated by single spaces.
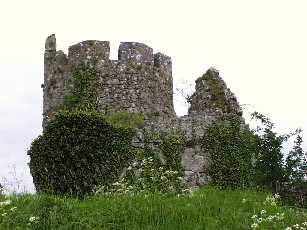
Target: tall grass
pixel 208 208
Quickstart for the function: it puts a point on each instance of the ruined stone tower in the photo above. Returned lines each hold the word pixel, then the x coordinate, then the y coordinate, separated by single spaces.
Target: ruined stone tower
pixel 140 81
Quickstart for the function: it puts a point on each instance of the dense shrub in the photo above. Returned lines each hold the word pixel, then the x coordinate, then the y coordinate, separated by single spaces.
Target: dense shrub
pixel 77 151
pixel 230 148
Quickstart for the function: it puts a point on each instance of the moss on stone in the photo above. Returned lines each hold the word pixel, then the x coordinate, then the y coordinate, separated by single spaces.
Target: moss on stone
pixel 125 119
pixel 218 98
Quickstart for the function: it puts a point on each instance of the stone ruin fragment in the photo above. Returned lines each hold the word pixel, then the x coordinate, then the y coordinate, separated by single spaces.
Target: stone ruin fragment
pixel 141 81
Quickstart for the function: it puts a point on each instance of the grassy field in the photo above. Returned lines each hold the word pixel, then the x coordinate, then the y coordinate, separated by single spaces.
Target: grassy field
pixel 208 208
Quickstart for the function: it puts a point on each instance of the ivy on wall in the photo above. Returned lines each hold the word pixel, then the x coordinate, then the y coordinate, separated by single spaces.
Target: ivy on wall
pixel 84 95
pixel 231 149
pixel 81 148
pixel 155 168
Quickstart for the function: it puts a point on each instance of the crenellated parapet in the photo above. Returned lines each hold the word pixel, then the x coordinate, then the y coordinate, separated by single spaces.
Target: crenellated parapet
pixel 139 81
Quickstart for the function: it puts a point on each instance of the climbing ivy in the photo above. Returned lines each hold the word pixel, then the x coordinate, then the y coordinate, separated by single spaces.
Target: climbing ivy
pixel 165 148
pixel 155 168
pixel 83 96
pixel 230 148
pixel 80 148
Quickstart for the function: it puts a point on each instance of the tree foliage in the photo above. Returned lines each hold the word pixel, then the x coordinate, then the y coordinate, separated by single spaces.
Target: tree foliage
pixel 296 164
pixel 241 157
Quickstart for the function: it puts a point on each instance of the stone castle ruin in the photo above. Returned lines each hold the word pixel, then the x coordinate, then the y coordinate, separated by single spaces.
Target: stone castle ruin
pixel 140 81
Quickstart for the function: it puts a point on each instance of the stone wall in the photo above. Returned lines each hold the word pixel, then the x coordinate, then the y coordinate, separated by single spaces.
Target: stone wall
pixel 141 81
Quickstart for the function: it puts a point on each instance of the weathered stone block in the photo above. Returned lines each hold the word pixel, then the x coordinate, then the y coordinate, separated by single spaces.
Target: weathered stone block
pixel 134 52
pixel 89 52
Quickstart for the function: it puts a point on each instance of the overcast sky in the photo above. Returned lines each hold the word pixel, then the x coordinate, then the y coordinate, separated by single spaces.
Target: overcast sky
pixel 259 47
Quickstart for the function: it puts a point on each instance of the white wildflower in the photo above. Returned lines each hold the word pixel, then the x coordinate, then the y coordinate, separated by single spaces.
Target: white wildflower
pixel 260 220
pixel 262 212
pixel 5 203
pixel 304 224
pixel 280 216
pixel 288 228
pixel 270 218
pixel 129 168
pixel 254 226
pixel 33 218
pixel 276 196
pixel 150 159
pixel 4 214
pixel 13 209
pixel 254 217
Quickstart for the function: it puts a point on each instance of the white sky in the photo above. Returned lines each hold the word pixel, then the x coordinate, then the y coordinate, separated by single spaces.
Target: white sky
pixel 259 47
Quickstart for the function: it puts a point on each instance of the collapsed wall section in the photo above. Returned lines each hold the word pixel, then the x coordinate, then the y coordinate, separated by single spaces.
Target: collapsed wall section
pixel 212 96
pixel 211 101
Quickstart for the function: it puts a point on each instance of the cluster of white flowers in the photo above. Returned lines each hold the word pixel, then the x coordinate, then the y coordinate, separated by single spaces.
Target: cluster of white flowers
pixel 272 200
pixel 145 177
pixel 302 226
pixel 32 220
pixel 5 203
pixel 146 161
pixel 121 186
pixel 263 218
pixel 266 219
pixel 7 210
